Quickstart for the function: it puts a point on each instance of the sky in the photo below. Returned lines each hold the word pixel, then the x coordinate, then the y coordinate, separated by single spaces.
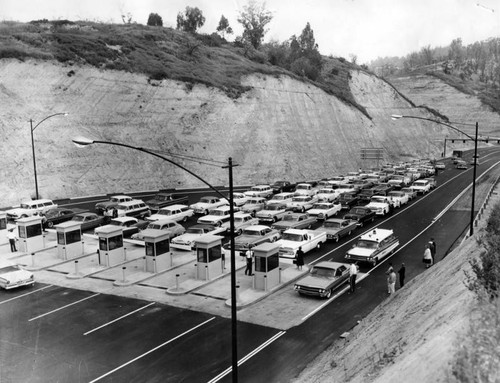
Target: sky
pixel 367 29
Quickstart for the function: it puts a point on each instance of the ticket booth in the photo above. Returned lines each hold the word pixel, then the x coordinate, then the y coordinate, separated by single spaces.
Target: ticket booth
pixel 209 257
pixel 267 272
pixel 3 227
pixel 111 250
pixel 69 240
pixel 157 247
pixel 30 234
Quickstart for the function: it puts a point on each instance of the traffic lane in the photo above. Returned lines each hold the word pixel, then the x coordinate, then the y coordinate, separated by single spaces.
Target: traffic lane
pixel 197 357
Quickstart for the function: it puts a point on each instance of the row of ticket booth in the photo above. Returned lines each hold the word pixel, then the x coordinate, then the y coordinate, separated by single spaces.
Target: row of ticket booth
pixel 209 253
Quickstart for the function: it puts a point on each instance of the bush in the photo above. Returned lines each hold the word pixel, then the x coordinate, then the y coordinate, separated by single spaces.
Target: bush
pixel 213 40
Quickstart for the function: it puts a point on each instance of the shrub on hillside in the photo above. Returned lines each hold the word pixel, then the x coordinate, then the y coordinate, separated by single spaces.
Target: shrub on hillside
pixel 213 40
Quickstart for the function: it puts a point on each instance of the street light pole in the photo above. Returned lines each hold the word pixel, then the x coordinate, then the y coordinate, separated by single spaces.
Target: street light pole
pixel 475 139
pixel 33 146
pixel 81 142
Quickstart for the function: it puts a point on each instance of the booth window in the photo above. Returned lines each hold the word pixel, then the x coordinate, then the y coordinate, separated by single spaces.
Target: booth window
pixel 201 255
pixel 33 230
pixel 60 238
pixel 260 264
pixel 115 242
pixel 22 232
pixel 73 236
pixel 273 262
pixel 103 244
pixel 162 247
pixel 3 224
pixel 215 253
pixel 150 249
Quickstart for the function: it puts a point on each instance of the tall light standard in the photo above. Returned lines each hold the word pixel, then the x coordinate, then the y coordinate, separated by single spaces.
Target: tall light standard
pixel 32 128
pixel 397 117
pixel 81 142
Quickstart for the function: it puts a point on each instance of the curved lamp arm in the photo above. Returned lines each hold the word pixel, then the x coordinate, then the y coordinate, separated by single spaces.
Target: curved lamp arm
pixel 398 116
pixel 46 118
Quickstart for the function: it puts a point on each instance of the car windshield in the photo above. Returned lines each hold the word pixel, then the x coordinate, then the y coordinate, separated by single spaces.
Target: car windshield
pixel 114 200
pixel 396 194
pixel 321 206
pixel 365 244
pixel 359 211
pixel 275 207
pixel 292 237
pixel 256 188
pixel 164 212
pixel 25 206
pixel 326 191
pixel 323 272
pixel 378 199
pixel 195 230
pixel 239 219
pixel 8 269
pixel 299 199
pixel 253 202
pixel 303 187
pixel 290 218
pixel 78 218
pixel 51 213
pixel 160 197
pixel 278 198
pixel 219 212
pixel 333 225
pixel 251 232
pixel 115 223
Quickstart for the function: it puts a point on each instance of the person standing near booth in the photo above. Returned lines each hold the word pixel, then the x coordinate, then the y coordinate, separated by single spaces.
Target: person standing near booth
pixel 299 258
pixel 353 272
pixel 12 240
pixel 249 258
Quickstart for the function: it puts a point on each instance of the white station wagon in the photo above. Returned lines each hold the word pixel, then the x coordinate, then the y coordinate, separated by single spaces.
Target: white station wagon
pixel 264 191
pixel 177 213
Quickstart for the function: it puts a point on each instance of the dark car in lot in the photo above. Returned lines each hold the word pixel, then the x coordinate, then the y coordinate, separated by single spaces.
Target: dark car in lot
pixel 89 220
pixel 163 199
pixel 129 225
pixel 58 215
pixel 282 186
pixel 347 200
pixel 360 214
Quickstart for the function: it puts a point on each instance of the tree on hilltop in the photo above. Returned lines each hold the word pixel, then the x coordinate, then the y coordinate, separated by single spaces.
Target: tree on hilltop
pixel 191 20
pixel 224 27
pixel 254 19
pixel 155 20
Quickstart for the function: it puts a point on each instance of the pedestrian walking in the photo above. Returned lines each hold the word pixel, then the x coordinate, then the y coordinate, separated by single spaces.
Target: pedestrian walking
pixel 11 235
pixel 249 258
pixel 353 272
pixel 402 272
pixel 391 282
pixel 299 258
pixel 427 257
pixel 432 246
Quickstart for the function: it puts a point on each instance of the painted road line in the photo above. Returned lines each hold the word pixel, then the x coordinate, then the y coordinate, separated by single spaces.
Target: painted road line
pixel 21 296
pixel 152 350
pixel 117 319
pixel 62 308
pixel 248 356
pixel 361 277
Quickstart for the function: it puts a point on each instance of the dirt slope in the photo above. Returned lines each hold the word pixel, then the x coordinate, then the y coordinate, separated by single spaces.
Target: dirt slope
pixel 282 128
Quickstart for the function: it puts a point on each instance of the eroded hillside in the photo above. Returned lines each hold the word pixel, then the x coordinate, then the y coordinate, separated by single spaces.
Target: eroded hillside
pixel 281 128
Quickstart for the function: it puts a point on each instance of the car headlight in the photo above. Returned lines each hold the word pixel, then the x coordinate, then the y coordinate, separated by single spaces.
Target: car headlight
pixel 348 255
pixel 296 287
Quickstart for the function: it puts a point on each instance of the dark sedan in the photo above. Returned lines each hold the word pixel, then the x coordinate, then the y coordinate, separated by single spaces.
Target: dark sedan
pixel 347 200
pixel 58 215
pixel 282 186
pixel 361 214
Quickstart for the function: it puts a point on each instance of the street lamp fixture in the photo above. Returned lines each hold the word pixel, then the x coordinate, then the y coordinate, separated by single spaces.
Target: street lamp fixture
pixel 32 128
pixel 82 142
pixel 475 139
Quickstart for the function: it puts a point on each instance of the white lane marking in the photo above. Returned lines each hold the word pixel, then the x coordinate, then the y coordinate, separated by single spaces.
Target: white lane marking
pixel 117 319
pixel 152 350
pixel 63 307
pixel 361 277
pixel 21 296
pixel 248 356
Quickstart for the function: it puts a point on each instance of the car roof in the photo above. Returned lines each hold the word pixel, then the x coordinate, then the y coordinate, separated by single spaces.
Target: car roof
pixel 125 219
pixel 121 196
pixel 133 202
pixel 257 227
pixel 85 214
pixel 331 265
pixel 163 221
pixel 173 207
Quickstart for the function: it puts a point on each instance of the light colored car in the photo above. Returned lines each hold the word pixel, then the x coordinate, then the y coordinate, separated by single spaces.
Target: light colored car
pixel 302 203
pixel 177 213
pixel 135 208
pixel 324 210
pixel 88 220
pixel 272 212
pixel 29 208
pixel 305 189
pixel 323 278
pixel 129 225
pixel 255 235
pixel 399 197
pixel 254 205
pixel 410 192
pixel 440 165
pixel 101 207
pixel 187 240
pixel 328 194
pixel 205 204
pixel 241 220
pixel 421 186
pixel 239 199
pixel 381 205
pixel 294 220
pixel 12 276
pixel 264 191
pixel 173 228
pixel 216 216
pixel 281 198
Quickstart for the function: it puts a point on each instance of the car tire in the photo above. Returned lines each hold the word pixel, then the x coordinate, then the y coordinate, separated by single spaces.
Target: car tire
pixel 325 217
pixel 318 246
pixel 50 224
pixel 239 232
pixel 273 239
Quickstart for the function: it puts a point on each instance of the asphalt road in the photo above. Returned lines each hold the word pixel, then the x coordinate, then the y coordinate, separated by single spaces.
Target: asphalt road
pixel 49 333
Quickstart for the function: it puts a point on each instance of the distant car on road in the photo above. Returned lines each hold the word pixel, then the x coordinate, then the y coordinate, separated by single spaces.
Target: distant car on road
pixel 207 203
pixel 323 278
pixel 12 276
pixel 101 207
pixel 360 214
pixel 176 213
pixel 440 165
pixel 282 186
pixel 263 191
pixel 324 210
pixel 162 200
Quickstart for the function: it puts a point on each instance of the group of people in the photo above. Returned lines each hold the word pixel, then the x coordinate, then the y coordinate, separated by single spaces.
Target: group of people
pixel 429 253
